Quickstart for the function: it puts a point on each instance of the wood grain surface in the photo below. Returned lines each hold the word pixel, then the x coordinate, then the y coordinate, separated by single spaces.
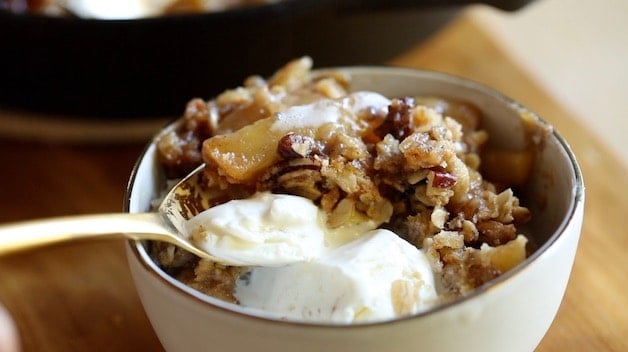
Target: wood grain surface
pixel 79 297
pixel 594 313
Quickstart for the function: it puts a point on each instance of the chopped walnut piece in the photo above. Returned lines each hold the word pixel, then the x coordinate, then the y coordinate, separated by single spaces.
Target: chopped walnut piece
pixel 397 122
pixel 295 145
pixel 496 233
pixel 441 179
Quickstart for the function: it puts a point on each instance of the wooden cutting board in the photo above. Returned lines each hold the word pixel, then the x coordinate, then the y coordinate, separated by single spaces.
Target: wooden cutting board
pixel 594 313
pixel 79 297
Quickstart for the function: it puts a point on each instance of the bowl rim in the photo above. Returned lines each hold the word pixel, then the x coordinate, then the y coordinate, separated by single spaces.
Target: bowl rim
pixel 140 254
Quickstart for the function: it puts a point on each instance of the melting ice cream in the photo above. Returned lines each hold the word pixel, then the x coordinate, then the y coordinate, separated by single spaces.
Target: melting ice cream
pixel 299 270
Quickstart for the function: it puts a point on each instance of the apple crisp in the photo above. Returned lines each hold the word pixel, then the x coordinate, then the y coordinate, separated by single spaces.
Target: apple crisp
pixel 412 167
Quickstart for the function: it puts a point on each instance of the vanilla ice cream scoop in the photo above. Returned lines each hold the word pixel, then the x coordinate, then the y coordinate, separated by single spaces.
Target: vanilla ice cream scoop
pixel 377 277
pixel 264 230
pixel 300 269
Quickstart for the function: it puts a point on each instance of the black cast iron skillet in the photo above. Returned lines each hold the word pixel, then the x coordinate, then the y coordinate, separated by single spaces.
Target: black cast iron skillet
pixel 151 67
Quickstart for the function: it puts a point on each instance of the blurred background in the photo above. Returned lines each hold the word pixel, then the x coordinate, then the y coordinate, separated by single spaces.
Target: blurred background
pixel 92 76
pixel 577 51
pixel 127 59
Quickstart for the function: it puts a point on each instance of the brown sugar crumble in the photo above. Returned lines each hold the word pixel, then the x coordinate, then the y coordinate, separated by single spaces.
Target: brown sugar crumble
pixel 413 169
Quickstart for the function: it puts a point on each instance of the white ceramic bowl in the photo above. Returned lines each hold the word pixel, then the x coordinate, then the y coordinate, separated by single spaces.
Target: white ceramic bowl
pixel 511 313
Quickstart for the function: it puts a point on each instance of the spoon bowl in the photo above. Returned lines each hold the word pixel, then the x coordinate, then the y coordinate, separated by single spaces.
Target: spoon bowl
pixel 167 224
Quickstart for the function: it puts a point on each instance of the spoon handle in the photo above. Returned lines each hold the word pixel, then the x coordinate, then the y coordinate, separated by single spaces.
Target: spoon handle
pixel 35 233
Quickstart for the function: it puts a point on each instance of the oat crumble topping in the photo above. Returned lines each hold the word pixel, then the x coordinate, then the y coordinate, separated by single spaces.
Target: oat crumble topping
pixel 413 169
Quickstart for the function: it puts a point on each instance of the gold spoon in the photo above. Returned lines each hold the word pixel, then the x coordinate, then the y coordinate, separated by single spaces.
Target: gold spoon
pixel 167 224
